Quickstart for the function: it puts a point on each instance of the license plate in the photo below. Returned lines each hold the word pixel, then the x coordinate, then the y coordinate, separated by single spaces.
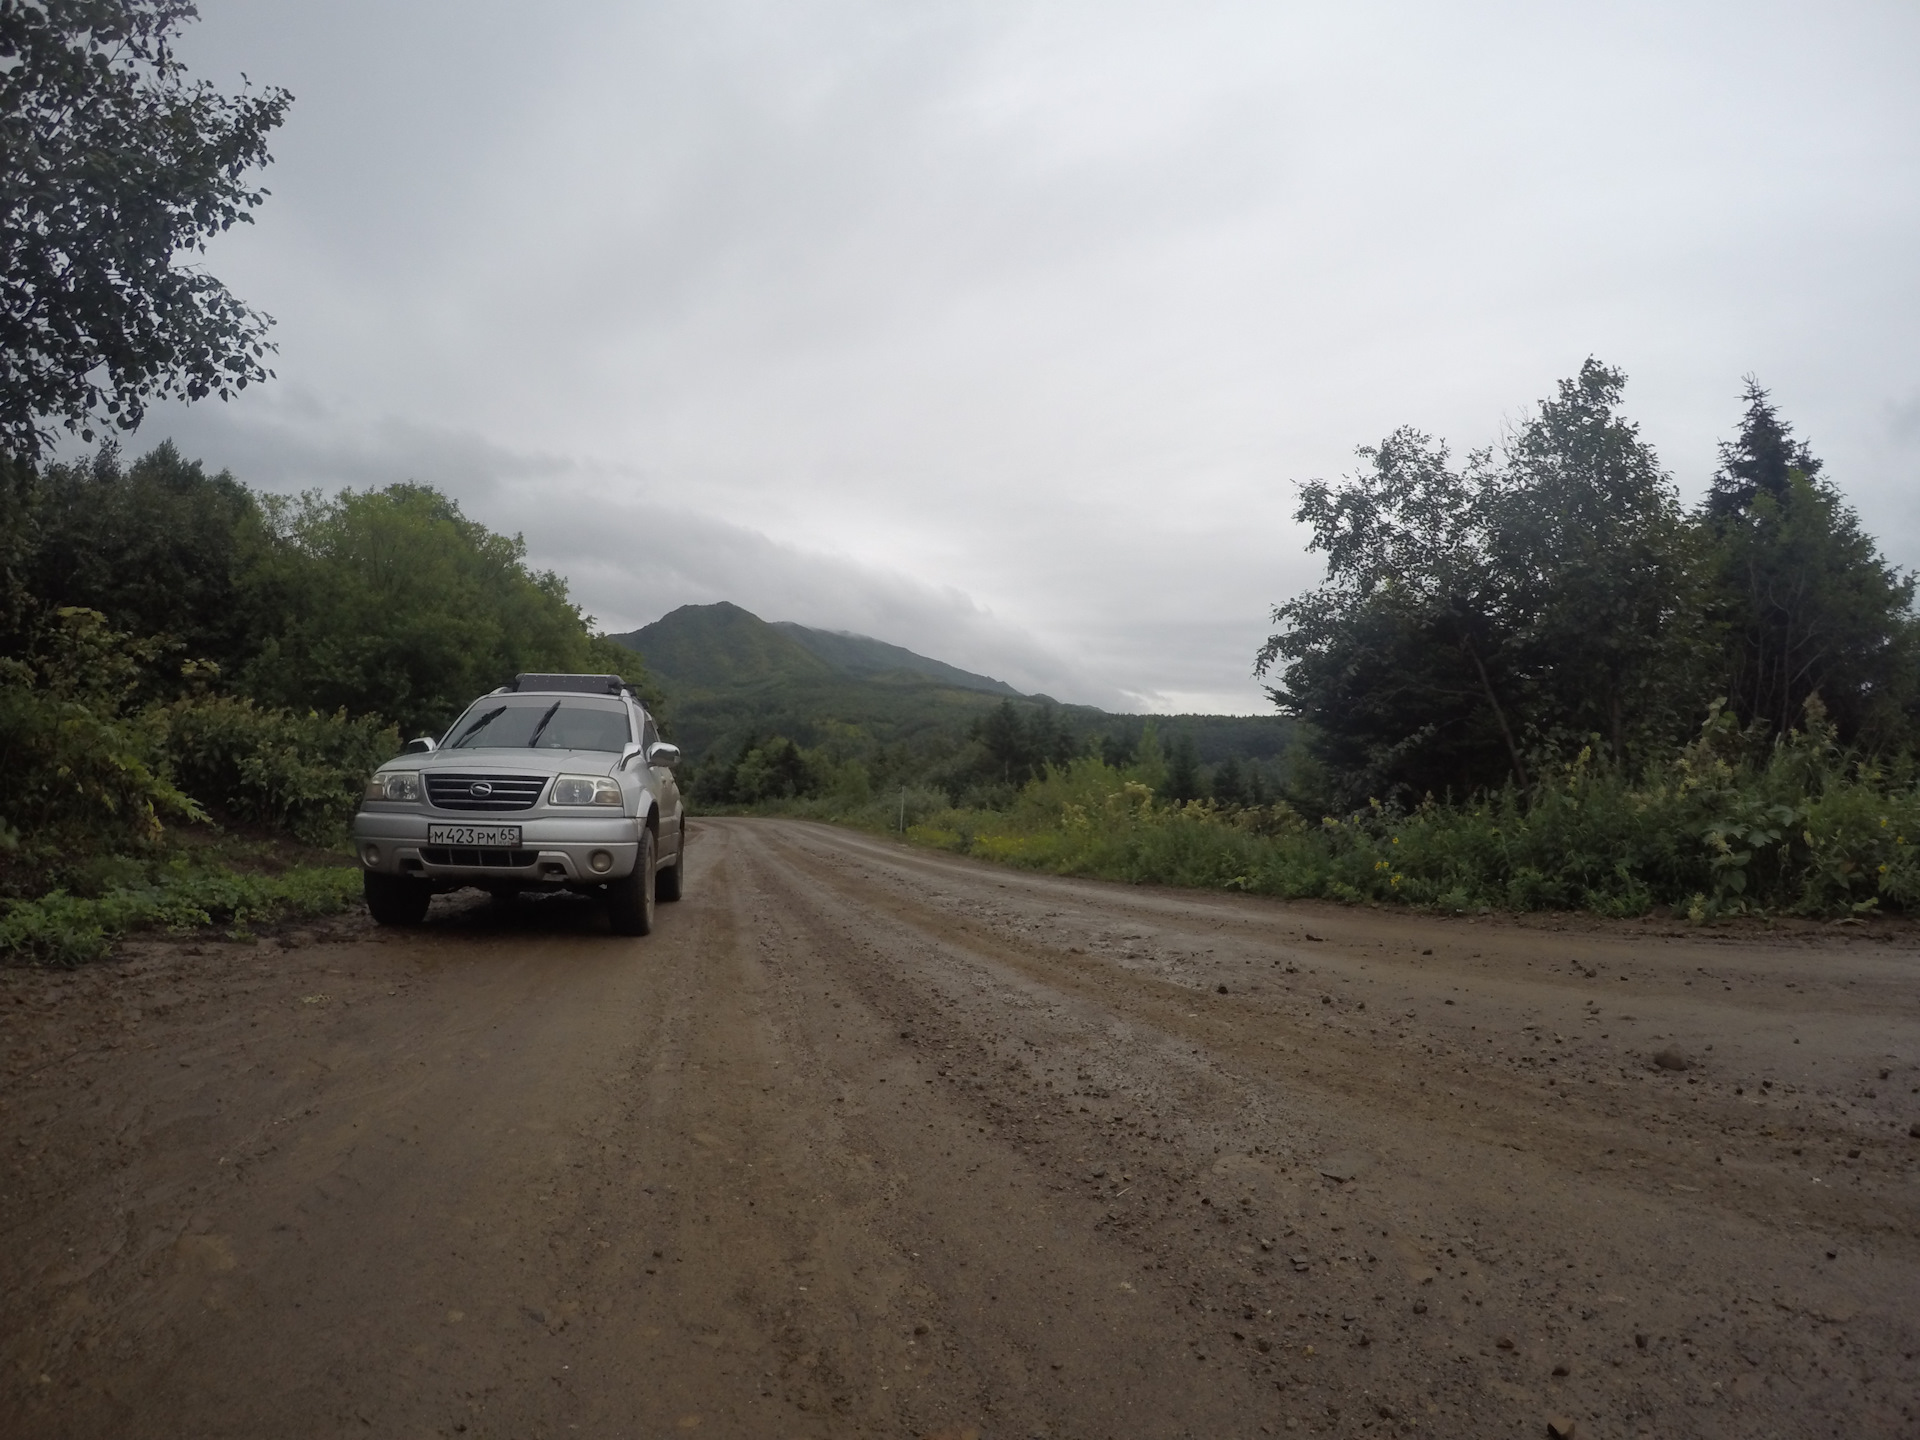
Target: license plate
pixel 507 836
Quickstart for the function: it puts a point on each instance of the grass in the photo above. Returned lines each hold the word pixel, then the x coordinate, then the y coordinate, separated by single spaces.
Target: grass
pixel 63 930
pixel 1730 826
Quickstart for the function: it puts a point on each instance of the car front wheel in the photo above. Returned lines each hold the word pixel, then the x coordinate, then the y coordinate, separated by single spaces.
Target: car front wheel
pixel 668 886
pixel 630 898
pixel 396 899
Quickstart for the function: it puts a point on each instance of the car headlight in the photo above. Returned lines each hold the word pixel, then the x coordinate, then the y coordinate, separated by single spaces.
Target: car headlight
pixel 584 790
pixel 395 785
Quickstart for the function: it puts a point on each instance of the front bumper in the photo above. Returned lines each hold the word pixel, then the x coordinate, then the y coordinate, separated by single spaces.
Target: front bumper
pixel 554 849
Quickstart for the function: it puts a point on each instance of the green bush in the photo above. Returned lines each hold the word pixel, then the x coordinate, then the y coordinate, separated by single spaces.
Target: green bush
pixel 82 775
pixel 302 773
pixel 1731 826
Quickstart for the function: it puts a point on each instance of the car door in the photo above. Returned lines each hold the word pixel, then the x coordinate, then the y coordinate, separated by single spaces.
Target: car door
pixel 668 788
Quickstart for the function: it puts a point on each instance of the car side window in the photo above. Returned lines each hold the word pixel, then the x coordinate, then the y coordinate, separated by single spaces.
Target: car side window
pixel 649 736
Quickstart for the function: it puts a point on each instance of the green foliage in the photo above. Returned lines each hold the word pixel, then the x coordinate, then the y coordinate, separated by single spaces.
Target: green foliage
pixel 159 548
pixel 1803 595
pixel 82 774
pixel 1601 578
pixel 1183 772
pixel 112 165
pixel 762 771
pixel 1481 622
pixel 1729 825
pixel 1015 744
pixel 178 692
pixel 1472 615
pixel 301 773
pixel 393 602
pixel 61 929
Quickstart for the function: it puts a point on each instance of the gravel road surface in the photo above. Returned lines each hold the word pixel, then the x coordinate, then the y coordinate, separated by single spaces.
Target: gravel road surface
pixel 875 1141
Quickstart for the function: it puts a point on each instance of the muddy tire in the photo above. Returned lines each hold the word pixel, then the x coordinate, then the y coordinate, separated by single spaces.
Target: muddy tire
pixel 396 899
pixel 630 898
pixel 667 886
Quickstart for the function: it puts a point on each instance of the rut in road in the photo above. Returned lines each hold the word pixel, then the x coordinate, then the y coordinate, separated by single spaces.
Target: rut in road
pixel 1497 1224
pixel 870 1140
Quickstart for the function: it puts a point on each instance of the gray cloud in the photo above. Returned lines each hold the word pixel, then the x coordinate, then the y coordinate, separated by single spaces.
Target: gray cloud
pixel 1006 327
pixel 630 549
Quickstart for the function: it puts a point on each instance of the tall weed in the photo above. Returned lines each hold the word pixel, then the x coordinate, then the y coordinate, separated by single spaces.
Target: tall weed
pixel 1731 825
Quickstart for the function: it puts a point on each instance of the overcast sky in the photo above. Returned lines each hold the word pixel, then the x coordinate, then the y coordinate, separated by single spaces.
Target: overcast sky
pixel 1004 331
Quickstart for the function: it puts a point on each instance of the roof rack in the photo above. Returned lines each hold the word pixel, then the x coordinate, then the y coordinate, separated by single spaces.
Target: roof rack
pixel 581 684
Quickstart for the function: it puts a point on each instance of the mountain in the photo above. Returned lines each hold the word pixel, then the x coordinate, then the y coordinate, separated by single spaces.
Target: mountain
pixel 733 679
pixel 862 655
pixel 731 676
pixel 720 647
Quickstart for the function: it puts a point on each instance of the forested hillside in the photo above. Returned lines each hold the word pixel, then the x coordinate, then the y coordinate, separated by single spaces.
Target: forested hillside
pixel 779 711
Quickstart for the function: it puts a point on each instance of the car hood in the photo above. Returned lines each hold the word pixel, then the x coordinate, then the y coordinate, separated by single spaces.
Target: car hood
pixel 517 758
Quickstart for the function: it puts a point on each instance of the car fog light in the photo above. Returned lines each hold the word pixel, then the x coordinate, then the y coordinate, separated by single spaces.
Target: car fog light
pixel 370 854
pixel 601 862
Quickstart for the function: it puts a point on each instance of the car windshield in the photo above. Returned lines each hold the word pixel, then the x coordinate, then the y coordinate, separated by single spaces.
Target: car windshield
pixel 540 722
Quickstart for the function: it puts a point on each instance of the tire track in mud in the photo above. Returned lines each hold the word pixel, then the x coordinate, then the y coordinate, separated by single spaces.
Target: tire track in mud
pixel 1280 1043
pixel 1650 1249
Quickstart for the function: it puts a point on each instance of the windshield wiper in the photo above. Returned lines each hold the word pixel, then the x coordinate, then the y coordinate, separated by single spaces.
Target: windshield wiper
pixel 477 726
pixel 551 711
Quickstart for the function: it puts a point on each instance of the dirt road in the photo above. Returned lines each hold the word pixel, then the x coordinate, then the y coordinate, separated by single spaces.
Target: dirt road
pixel 870 1141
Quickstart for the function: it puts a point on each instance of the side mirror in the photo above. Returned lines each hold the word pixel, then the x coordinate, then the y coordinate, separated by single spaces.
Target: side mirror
pixel 664 755
pixel 419 745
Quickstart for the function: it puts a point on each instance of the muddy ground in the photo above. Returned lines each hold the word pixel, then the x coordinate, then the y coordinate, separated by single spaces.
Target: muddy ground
pixel 871 1141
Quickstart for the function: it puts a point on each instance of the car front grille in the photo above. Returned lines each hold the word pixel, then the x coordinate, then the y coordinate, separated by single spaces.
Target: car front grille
pixel 447 790
pixel 497 859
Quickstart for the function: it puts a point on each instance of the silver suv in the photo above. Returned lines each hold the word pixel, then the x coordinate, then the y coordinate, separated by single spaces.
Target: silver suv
pixel 552 782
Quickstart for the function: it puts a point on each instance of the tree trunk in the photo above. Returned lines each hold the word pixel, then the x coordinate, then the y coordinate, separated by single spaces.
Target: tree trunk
pixel 1500 715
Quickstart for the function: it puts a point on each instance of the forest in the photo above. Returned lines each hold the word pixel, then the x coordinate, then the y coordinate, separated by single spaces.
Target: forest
pixel 1532 678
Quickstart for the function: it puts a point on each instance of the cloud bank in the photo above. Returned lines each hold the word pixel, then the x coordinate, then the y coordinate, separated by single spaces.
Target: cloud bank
pixel 1002 332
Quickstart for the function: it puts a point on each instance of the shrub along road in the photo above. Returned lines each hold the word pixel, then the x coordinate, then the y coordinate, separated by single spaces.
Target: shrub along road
pixel 867 1140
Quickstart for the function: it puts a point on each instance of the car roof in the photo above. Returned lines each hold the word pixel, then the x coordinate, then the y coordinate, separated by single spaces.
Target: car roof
pixel 543 683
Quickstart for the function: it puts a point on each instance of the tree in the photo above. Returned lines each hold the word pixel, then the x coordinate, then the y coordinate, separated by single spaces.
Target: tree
pixel 1020 743
pixel 775 770
pixel 115 165
pixel 1005 739
pixel 392 601
pixel 1802 593
pixel 1404 661
pixel 1474 614
pixel 1761 461
pixel 1050 739
pixel 1229 783
pixel 1183 771
pixel 160 548
pixel 1600 571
